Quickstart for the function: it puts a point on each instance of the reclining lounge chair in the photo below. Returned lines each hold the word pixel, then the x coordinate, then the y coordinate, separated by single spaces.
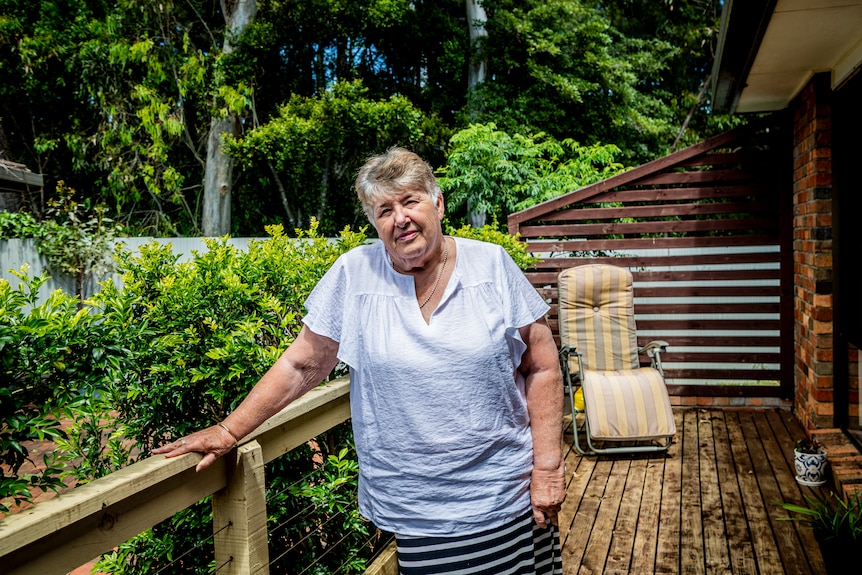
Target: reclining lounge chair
pixel 626 407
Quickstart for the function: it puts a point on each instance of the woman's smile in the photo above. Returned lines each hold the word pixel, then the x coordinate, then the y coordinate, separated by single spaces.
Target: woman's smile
pixel 408 235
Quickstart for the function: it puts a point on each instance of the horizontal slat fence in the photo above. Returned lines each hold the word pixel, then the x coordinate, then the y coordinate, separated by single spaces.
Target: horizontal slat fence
pixel 706 234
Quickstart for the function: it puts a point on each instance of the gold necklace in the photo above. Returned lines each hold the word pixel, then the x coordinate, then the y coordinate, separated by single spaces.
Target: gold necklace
pixel 439 275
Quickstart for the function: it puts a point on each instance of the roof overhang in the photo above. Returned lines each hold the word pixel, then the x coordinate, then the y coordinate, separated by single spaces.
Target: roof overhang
pixel 768 50
pixel 18 173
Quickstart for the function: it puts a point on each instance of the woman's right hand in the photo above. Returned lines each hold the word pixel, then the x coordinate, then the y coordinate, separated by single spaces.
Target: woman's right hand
pixel 212 442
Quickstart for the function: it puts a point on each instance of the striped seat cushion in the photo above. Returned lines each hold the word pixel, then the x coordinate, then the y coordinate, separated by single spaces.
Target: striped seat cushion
pixel 629 404
pixel 596 313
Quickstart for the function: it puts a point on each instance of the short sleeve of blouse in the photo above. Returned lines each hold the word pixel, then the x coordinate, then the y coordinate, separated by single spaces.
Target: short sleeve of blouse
pixel 521 302
pixel 325 307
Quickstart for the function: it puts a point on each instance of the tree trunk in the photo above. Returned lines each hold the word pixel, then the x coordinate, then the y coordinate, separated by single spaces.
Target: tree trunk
pixel 218 173
pixel 217 181
pixel 476 18
pixel 476 71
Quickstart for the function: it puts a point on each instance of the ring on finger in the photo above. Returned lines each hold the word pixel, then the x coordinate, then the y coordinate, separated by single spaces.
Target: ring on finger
pixel 183 441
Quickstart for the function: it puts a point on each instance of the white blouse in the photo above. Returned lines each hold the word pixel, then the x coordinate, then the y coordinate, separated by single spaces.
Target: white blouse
pixel 439 411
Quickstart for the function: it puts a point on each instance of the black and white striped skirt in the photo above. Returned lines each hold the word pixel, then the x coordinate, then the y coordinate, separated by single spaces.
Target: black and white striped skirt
pixel 518 548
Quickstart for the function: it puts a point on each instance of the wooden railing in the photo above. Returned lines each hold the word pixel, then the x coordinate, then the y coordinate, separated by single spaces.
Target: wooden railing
pixel 71 529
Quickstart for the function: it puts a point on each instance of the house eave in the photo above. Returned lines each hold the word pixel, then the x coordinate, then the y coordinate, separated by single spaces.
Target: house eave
pixel 768 50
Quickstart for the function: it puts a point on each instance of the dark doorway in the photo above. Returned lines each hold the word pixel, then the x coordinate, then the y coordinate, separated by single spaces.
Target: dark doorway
pixel 847 248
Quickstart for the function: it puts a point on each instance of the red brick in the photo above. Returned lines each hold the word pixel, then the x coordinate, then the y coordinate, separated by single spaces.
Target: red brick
pixel 823 300
pixel 824 409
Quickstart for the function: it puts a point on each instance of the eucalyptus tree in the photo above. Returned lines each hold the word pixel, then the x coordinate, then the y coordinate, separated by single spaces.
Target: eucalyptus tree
pixel 218 174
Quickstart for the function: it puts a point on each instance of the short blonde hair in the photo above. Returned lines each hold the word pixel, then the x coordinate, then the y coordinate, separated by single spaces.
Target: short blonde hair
pixel 393 172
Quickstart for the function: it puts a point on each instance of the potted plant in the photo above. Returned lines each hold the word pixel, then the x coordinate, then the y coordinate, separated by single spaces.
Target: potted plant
pixel 837 525
pixel 810 462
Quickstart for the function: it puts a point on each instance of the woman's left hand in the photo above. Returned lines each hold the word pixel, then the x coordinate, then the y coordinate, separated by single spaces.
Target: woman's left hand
pixel 547 491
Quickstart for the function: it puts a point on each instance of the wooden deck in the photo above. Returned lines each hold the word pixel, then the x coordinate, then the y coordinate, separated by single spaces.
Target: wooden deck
pixel 707 506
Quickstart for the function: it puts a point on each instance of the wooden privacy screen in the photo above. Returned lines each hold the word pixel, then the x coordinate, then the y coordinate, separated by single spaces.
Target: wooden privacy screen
pixel 706 233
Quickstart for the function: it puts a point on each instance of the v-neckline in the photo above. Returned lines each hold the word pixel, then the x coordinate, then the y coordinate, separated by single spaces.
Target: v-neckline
pixel 444 294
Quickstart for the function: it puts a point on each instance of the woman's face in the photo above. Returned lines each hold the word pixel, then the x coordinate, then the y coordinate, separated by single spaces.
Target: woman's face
pixel 408 223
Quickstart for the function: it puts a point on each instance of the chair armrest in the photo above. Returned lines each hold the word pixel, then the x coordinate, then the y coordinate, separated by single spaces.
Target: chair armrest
pixel 566 354
pixel 568 350
pixel 653 347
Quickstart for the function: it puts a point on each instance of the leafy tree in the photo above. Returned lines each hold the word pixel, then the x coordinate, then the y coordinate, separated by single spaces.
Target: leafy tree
pixel 493 172
pixel 563 67
pixel 119 96
pixel 560 67
pixel 119 99
pixel 218 170
pixel 692 27
pixel 76 241
pixel 311 152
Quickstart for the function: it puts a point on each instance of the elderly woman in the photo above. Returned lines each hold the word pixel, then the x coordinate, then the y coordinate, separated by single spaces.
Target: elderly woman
pixel 456 393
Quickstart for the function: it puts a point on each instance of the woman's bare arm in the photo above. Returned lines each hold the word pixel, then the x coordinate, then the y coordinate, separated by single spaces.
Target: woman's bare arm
pixel 308 360
pixel 544 388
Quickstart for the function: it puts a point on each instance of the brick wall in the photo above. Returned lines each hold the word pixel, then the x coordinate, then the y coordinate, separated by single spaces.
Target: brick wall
pixel 812 254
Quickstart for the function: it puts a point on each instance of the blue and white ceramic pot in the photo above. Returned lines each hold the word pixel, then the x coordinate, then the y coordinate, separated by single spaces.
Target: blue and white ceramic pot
pixel 810 468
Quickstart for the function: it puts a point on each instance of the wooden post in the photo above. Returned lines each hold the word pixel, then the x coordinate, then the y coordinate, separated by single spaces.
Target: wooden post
pixel 239 516
pixel 386 563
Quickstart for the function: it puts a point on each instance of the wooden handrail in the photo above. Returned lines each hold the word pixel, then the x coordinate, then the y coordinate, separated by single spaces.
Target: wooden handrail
pixel 66 531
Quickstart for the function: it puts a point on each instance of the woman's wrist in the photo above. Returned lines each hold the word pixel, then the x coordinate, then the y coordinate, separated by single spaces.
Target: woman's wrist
pixel 224 426
pixel 548 462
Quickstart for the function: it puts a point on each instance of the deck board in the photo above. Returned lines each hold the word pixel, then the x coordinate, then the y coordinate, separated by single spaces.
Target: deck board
pixel 738 537
pixel 667 558
pixel 692 550
pixel 644 552
pixel 622 543
pixel 707 506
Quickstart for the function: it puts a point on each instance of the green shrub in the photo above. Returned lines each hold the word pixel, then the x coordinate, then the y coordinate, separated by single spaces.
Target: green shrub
pixel 489 233
pixel 47 357
pixel 191 339
pixel 199 334
pixel 18 225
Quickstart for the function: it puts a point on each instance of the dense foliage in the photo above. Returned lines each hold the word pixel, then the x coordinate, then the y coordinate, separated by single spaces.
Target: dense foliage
pixel 119 98
pixel 492 173
pixel 310 152
pixel 46 357
pixel 173 350
pixel 198 334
